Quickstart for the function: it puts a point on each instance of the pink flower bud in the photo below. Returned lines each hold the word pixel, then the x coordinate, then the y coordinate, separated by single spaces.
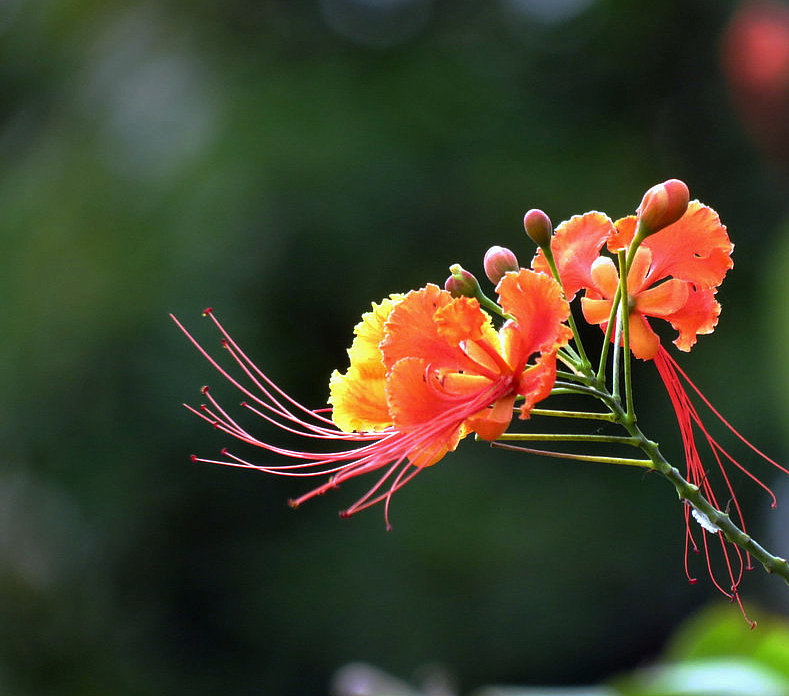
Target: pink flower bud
pixel 662 206
pixel 498 261
pixel 461 283
pixel 538 226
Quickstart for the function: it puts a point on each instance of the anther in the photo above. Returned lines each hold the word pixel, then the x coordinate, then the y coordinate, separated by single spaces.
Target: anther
pixel 207 311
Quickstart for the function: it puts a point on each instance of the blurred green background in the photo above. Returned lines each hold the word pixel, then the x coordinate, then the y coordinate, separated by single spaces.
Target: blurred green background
pixel 287 162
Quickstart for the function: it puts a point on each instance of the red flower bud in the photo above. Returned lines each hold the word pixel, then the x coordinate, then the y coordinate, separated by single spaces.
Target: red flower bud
pixel 538 226
pixel 662 206
pixel 498 261
pixel 461 283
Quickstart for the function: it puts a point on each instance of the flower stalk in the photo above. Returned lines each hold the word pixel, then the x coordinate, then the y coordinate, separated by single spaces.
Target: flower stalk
pixel 429 367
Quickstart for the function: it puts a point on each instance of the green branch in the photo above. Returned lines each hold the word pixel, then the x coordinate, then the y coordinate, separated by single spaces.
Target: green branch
pixel 643 463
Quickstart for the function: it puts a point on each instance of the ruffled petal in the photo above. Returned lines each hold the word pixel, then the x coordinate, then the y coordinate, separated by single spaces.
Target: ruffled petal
pixel 357 397
pixel 696 248
pixel 624 229
pixel 699 315
pixel 463 324
pixel 460 320
pixel 664 299
pixel 365 352
pixel 539 309
pixel 536 382
pixel 575 245
pixel 411 330
pixel 358 400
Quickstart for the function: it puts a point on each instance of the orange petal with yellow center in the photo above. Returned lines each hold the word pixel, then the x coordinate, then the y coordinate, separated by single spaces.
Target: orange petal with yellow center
pixel 536 303
pixel 411 330
pixel 575 245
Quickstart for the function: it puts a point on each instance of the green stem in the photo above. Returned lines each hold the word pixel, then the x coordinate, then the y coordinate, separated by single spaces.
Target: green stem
pixel 691 493
pixel 573 376
pixel 615 388
pixel 589 415
pixel 546 250
pixel 643 463
pixel 608 331
pixel 686 491
pixel 486 303
pixel 569 437
pixel 624 315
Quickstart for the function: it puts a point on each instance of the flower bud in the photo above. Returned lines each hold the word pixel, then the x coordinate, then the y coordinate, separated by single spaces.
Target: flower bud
pixel 538 226
pixel 662 206
pixel 461 283
pixel 498 261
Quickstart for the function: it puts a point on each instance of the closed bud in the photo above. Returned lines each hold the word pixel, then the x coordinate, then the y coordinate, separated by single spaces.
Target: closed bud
pixel 538 226
pixel 461 283
pixel 662 206
pixel 498 261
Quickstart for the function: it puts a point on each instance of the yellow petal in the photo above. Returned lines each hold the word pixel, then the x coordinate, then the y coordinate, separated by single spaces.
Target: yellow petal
pixel 357 397
pixel 358 401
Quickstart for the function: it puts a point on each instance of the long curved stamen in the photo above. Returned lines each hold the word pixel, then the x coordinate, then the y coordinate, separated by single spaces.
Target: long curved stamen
pixel 386 449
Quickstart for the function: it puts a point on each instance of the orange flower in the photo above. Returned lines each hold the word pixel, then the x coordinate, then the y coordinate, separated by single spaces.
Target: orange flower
pixel 674 274
pixel 426 369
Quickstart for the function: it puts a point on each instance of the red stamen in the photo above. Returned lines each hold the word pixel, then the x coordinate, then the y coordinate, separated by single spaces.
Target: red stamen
pixel 386 449
pixel 674 379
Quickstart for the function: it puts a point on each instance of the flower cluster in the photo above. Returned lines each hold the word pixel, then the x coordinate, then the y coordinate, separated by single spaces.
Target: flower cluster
pixel 431 366
pixel 426 369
